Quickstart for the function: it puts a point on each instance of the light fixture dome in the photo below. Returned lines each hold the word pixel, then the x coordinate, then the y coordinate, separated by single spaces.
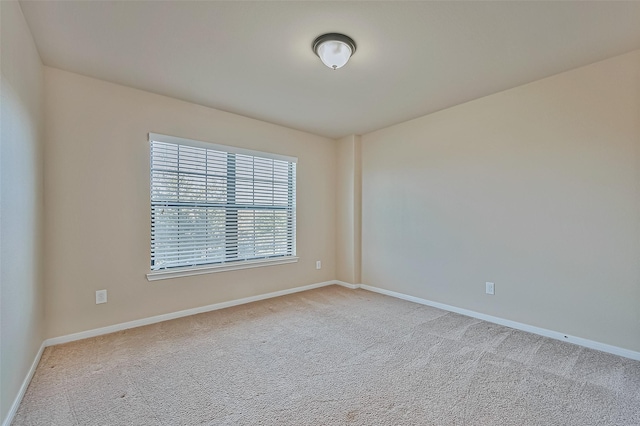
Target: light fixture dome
pixel 334 50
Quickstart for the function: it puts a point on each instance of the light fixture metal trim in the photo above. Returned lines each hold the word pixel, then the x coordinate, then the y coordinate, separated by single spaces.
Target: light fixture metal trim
pixel 333 37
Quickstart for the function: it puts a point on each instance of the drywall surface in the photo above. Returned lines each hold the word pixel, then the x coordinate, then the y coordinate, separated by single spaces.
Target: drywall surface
pixel 21 201
pixel 348 204
pixel 98 208
pixel 536 189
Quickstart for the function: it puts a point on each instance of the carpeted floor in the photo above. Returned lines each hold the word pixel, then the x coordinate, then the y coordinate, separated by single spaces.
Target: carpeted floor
pixel 330 356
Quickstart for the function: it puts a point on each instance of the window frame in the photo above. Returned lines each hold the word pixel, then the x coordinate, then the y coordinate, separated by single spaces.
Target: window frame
pixel 225 265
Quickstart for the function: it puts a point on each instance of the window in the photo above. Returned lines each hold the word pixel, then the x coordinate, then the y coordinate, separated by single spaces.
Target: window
pixel 214 206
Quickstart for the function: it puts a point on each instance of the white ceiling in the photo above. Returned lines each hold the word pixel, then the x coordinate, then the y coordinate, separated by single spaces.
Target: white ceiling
pixel 255 58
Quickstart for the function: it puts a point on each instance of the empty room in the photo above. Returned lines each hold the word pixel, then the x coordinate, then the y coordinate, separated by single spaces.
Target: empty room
pixel 319 213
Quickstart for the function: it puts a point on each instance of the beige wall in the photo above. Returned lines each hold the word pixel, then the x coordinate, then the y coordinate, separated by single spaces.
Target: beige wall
pixel 348 206
pixel 21 298
pixel 98 210
pixel 536 189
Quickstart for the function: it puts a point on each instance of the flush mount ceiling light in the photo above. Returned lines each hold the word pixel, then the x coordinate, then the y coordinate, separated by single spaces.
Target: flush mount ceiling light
pixel 334 50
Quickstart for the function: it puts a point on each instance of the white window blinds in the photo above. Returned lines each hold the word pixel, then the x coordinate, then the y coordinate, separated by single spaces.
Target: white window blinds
pixel 213 204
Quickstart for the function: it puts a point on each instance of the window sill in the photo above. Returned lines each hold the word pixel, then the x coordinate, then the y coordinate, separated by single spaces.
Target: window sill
pixel 209 269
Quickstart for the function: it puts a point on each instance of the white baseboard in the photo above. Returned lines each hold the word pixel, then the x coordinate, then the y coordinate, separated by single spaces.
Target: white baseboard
pixel 25 384
pixel 179 314
pixel 347 285
pixel 627 353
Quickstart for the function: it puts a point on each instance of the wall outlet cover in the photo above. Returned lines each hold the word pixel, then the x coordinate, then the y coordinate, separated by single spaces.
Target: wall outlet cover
pixel 101 296
pixel 490 288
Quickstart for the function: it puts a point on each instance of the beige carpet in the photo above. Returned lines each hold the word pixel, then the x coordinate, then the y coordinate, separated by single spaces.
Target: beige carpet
pixel 330 356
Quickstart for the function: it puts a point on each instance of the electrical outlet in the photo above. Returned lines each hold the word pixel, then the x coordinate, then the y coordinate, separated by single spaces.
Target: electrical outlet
pixel 490 288
pixel 101 296
pixel 318 264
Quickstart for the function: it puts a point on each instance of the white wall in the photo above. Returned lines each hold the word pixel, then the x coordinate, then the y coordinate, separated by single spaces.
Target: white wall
pixel 536 189
pixel 21 306
pixel 98 210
